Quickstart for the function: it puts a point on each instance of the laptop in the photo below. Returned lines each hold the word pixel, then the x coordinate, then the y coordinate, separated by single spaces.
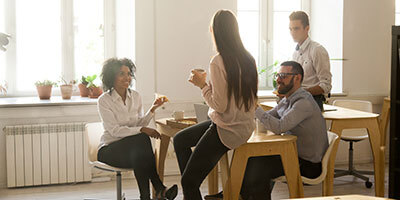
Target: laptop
pixel 201 112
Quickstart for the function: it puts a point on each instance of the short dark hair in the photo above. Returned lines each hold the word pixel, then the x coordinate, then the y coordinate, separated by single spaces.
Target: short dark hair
pixel 296 68
pixel 111 68
pixel 300 15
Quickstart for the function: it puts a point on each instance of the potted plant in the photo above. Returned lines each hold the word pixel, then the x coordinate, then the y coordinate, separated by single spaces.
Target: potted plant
pixel 44 88
pixel 94 90
pixel 270 70
pixel 83 90
pixel 66 88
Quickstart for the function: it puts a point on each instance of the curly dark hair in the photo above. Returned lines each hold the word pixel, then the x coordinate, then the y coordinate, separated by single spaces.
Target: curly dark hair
pixel 111 68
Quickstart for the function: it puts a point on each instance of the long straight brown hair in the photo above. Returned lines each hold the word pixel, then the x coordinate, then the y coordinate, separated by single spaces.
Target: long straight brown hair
pixel 240 66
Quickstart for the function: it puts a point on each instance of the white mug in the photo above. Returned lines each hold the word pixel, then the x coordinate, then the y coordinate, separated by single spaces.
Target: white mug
pixel 178 115
pixel 260 127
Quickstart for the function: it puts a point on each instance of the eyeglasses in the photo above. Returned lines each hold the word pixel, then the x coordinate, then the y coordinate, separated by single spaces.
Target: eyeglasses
pixel 283 75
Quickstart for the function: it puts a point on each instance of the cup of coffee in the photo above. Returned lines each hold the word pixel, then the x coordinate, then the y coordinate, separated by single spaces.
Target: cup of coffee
pixel 260 127
pixel 199 70
pixel 178 115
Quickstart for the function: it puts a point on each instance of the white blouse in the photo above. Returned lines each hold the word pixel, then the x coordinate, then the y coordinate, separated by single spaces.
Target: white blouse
pixel 121 120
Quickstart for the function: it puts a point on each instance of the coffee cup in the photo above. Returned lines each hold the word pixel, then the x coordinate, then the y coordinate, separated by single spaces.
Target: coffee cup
pixel 199 70
pixel 178 115
pixel 260 127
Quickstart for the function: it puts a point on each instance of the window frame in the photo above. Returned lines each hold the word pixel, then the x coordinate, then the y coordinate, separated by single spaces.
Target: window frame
pixel 67 38
pixel 266 35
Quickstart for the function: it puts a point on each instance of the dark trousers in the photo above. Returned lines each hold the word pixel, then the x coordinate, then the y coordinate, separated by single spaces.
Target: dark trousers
pixel 134 152
pixel 196 165
pixel 320 99
pixel 260 172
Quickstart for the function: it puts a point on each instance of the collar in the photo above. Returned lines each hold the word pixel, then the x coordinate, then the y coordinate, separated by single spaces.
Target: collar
pixel 115 96
pixel 298 91
pixel 303 46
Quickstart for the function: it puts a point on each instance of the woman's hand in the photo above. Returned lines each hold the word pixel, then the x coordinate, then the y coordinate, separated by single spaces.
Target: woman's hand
pixel 198 78
pixel 151 132
pixel 159 101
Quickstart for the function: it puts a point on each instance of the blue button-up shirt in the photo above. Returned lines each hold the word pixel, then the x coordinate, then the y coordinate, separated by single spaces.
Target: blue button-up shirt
pixel 299 115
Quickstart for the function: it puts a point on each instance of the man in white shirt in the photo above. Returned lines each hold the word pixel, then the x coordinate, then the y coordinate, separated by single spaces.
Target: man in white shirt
pixel 312 56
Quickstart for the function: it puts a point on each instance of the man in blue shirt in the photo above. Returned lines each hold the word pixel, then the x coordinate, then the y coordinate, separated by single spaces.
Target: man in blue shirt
pixel 296 114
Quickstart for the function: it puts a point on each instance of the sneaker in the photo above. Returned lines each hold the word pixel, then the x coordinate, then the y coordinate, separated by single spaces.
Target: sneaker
pixel 171 193
pixel 218 196
pixel 167 194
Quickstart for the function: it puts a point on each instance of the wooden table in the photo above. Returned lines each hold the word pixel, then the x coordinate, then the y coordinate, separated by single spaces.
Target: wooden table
pixel 345 197
pixel 343 118
pixel 161 149
pixel 261 144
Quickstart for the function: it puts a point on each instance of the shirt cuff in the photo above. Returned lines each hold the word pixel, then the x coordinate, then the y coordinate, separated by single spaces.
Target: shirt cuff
pixel 259 113
pixel 204 90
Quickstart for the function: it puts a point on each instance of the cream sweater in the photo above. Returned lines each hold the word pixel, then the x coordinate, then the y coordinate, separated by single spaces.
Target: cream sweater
pixel 235 126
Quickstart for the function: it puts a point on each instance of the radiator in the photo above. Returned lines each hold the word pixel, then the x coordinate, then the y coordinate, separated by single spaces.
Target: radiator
pixel 44 154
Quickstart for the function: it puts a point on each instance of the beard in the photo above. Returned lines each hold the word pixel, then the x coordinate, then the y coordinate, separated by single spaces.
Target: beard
pixel 284 89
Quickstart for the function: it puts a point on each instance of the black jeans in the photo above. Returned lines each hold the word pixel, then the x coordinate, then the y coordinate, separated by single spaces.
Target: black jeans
pixel 320 99
pixel 261 171
pixel 134 152
pixel 196 165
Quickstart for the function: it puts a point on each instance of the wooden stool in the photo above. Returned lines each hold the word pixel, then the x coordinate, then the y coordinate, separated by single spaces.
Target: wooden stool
pixel 263 145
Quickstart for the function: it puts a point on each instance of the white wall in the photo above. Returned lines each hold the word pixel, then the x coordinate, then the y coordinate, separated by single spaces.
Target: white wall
pixel 173 37
pixel 367 45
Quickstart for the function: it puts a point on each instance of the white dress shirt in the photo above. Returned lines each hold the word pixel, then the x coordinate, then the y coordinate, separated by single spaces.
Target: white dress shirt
pixel 315 62
pixel 121 120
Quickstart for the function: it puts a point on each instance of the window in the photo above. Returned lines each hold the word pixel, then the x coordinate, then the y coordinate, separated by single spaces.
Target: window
pixel 264 28
pixel 263 24
pixel 62 38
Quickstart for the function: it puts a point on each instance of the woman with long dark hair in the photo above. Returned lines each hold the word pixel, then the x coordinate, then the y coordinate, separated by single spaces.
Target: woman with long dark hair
pixel 126 139
pixel 231 95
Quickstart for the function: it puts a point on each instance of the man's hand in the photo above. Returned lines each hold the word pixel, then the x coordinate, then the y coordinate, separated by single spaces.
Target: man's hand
pixel 151 132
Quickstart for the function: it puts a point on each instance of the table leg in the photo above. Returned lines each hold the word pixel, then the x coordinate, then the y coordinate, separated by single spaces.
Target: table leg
pixel 234 183
pixel 327 185
pixel 161 153
pixel 290 164
pixel 375 141
pixel 374 137
pixel 224 165
pixel 213 180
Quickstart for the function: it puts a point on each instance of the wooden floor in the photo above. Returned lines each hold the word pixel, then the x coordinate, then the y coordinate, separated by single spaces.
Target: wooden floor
pixel 106 190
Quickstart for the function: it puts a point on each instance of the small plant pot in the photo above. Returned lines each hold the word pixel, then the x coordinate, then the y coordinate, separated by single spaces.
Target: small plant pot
pixel 83 90
pixel 44 91
pixel 66 91
pixel 95 92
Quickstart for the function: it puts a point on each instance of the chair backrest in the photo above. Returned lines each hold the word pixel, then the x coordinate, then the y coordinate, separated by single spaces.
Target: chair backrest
pixel 360 105
pixel 93 133
pixel 332 138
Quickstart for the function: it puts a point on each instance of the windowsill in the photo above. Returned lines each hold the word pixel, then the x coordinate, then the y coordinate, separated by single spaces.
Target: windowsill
pixel 53 101
pixel 267 94
pixel 12 102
